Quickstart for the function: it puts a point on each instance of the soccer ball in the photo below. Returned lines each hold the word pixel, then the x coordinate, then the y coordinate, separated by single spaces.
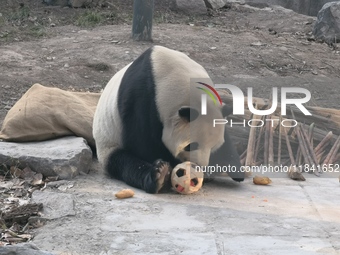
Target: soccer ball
pixel 187 178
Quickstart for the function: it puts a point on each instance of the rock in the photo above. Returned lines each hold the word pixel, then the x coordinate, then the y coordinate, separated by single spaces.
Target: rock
pixel 56 2
pixel 327 26
pixel 215 4
pixel 191 6
pixel 73 3
pixel 22 249
pixel 84 3
pixel 307 7
pixel 55 205
pixel 314 6
pixel 64 157
pixel 78 3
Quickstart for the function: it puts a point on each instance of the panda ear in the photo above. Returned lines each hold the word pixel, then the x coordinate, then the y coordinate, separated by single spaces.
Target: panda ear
pixel 188 113
pixel 227 110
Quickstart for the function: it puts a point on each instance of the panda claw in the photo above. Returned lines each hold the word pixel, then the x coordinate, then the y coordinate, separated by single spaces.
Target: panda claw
pixel 163 170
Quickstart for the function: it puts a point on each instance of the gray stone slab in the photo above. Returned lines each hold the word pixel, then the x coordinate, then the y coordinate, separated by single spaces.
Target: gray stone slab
pixel 22 249
pixel 224 217
pixel 64 157
pixel 184 243
pixel 55 205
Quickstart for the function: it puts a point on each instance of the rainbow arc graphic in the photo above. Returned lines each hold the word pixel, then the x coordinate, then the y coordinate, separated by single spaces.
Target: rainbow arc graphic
pixel 210 91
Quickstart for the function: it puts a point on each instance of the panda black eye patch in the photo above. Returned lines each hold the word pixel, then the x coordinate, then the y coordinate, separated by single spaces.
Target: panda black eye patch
pixel 191 147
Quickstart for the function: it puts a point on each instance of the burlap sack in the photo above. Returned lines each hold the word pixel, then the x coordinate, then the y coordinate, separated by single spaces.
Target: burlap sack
pixel 44 113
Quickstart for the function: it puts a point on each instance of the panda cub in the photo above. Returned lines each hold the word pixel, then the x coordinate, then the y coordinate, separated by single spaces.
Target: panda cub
pixel 148 120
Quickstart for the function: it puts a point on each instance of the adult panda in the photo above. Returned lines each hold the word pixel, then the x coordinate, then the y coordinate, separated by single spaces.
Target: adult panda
pixel 148 120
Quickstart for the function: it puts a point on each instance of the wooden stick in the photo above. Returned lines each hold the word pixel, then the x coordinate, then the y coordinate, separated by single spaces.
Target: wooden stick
pixel 310 134
pixel 243 161
pixel 271 144
pixel 324 142
pixel 334 157
pixel 306 146
pixel 243 154
pixel 304 151
pixel 319 156
pixel 337 158
pixel 299 153
pixel 309 146
pixel 289 147
pixel 334 150
pixel 279 146
pixel 258 141
pixel 251 144
pixel 266 141
pixel 298 156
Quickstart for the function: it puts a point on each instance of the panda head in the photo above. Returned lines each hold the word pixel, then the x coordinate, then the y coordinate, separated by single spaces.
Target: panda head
pixel 187 134
pixel 191 136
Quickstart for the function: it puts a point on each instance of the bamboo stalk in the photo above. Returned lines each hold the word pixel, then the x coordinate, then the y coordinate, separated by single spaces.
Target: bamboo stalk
pixel 299 153
pixel 258 141
pixel 289 147
pixel 311 133
pixel 279 146
pixel 299 156
pixel 319 156
pixel 324 143
pixel 266 141
pixel 243 154
pixel 243 161
pixel 304 151
pixel 271 144
pixel 334 157
pixel 251 144
pixel 337 158
pixel 334 150
pixel 309 146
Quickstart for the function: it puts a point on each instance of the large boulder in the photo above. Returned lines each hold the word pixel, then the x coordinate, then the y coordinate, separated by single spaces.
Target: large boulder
pixel 215 4
pixel 65 157
pixel 327 26
pixel 191 6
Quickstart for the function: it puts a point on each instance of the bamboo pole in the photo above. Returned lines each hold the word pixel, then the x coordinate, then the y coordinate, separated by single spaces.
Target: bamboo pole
pixel 266 141
pixel 251 144
pixel 290 151
pixel 271 144
pixel 333 152
pixel 324 143
pixel 279 146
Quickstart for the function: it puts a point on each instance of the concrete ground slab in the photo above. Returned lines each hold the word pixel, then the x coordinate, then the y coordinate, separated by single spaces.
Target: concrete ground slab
pixel 224 217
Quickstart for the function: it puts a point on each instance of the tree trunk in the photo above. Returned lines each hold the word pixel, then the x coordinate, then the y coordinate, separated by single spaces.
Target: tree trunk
pixel 142 20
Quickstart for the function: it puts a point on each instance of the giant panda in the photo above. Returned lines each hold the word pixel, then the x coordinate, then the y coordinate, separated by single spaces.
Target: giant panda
pixel 148 120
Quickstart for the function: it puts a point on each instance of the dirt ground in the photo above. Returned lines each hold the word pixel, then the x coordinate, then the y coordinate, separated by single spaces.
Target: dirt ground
pixel 54 46
pixel 80 50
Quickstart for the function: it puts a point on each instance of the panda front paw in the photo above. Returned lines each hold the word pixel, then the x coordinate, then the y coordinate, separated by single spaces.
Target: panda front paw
pixel 162 174
pixel 159 177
